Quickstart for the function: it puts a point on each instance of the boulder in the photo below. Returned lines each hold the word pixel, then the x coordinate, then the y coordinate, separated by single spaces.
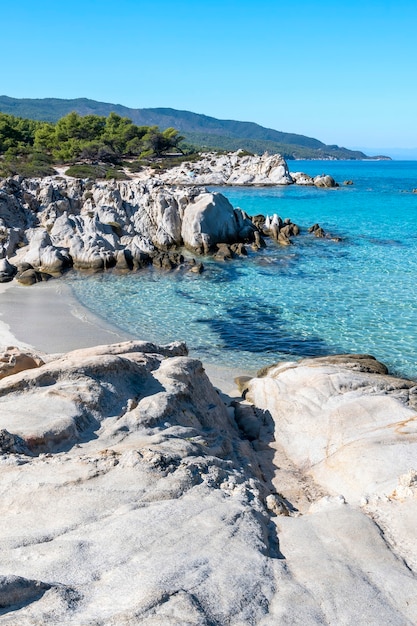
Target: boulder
pixel 324 181
pixel 43 256
pixel 28 277
pixel 302 179
pixel 13 360
pixel 7 271
pixel 211 219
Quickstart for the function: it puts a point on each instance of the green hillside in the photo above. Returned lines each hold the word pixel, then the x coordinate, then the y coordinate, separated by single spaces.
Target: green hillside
pixel 200 130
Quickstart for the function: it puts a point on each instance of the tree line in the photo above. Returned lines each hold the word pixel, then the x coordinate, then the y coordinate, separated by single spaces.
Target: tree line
pixel 34 145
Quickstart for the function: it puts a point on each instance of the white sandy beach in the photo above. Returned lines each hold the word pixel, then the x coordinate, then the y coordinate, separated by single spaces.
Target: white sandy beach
pixel 48 318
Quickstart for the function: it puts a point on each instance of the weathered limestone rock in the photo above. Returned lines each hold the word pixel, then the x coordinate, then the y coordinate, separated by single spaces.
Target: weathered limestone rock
pixel 341 434
pixel 324 181
pixel 211 219
pixel 93 226
pixel 43 256
pixel 231 169
pixel 132 494
pixel 136 500
pixel 344 419
pixel 302 179
pixel 13 360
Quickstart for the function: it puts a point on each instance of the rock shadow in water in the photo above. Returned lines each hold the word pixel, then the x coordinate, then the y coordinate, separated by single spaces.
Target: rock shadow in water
pixel 258 328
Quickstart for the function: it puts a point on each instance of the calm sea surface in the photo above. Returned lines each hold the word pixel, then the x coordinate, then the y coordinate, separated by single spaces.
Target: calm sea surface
pixel 313 298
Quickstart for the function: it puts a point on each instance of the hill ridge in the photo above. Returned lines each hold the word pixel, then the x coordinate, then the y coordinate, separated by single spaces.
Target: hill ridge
pixel 201 129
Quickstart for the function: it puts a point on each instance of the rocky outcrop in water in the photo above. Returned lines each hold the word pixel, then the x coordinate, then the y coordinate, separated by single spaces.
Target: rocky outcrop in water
pixel 322 180
pixel 231 169
pixel 132 494
pixel 236 169
pixel 51 224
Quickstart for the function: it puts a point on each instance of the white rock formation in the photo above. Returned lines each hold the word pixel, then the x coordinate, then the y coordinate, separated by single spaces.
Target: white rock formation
pixel 343 422
pixel 231 169
pixel 345 432
pixel 129 494
pixel 324 180
pixel 88 225
pixel 302 179
pixel 212 219
pixel 235 168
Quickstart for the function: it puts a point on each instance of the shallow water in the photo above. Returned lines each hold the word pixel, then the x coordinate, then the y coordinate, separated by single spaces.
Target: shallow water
pixel 313 298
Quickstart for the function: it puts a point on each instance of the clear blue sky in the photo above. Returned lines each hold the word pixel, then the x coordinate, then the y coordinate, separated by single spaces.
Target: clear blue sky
pixel 344 72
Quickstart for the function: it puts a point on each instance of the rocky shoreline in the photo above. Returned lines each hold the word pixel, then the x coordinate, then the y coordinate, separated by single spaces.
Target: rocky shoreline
pixel 50 225
pixel 236 169
pixel 136 491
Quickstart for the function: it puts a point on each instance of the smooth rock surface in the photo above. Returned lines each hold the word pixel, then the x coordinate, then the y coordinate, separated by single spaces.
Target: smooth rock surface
pixel 132 494
pixel 344 440
pixel 144 505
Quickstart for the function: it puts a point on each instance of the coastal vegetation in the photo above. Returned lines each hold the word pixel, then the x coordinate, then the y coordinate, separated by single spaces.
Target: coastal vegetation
pixel 198 130
pixel 94 145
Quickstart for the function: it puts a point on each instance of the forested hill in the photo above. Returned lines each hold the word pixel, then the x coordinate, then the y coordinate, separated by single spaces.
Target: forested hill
pixel 200 130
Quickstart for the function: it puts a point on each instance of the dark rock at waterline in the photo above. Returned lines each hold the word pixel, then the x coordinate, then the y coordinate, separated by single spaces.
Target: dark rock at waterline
pixel 127 261
pixel 31 276
pixel 124 260
pixel 259 241
pixel 224 252
pixel 283 239
pixel 258 221
pixel 7 271
pixel 22 267
pixel 317 231
pixel 227 251
pixel 167 260
pixel 196 268
pixel 290 230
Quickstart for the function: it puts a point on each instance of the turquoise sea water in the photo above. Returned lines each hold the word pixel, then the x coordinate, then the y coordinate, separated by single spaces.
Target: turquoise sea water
pixel 313 298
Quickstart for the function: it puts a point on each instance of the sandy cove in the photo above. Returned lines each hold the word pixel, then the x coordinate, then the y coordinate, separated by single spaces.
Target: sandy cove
pixel 48 318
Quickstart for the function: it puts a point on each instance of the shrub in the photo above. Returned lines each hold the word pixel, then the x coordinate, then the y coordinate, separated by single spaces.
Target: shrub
pixel 86 171
pixel 83 170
